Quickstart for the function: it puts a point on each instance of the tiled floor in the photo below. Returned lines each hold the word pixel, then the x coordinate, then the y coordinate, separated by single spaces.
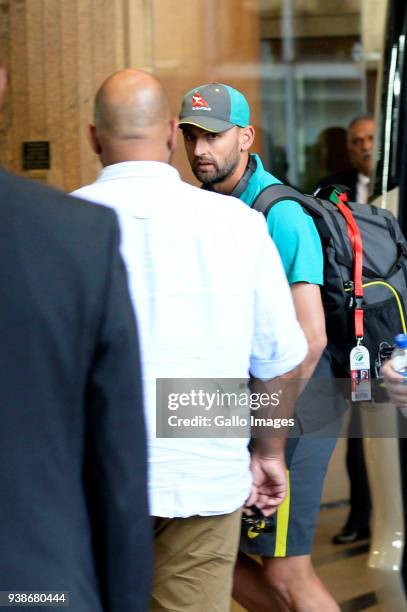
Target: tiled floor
pixel 346 577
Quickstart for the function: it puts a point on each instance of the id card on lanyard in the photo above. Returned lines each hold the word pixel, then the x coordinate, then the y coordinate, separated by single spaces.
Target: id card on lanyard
pixel 360 374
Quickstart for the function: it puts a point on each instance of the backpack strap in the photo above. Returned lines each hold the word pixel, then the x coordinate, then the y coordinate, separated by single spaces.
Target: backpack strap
pixel 273 194
pixel 278 192
pixel 244 181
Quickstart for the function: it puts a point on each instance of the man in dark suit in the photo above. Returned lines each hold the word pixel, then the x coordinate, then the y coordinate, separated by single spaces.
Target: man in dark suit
pixel 73 507
pixel 357 179
pixel 360 149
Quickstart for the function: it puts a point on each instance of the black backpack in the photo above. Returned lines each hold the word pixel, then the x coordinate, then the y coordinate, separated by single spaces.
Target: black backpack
pixel 365 305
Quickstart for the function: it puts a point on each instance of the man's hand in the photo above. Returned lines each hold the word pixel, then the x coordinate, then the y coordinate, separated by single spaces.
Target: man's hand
pixel 396 386
pixel 269 486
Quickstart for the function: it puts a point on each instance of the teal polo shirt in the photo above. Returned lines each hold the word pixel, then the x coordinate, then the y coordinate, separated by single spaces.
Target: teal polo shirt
pixel 292 230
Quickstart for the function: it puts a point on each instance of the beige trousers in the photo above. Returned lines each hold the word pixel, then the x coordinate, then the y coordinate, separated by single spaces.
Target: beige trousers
pixel 194 561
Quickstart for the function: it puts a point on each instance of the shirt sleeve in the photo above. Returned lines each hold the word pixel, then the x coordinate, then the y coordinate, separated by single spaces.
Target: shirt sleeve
pixel 279 344
pixel 297 240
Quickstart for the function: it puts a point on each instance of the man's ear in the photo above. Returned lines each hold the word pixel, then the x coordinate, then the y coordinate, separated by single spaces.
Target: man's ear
pixel 3 83
pixel 93 139
pixel 172 135
pixel 247 135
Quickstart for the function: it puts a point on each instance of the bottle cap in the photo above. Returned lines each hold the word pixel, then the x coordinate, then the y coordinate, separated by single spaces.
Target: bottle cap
pixel 401 340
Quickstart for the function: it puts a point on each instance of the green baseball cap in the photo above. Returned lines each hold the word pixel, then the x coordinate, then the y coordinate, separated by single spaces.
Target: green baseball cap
pixel 215 108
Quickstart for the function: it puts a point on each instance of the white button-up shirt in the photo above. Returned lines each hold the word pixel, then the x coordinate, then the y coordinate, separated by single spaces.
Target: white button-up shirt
pixel 362 188
pixel 211 300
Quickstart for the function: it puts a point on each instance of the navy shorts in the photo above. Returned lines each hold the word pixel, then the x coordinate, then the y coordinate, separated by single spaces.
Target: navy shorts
pixel 295 520
pixel 319 410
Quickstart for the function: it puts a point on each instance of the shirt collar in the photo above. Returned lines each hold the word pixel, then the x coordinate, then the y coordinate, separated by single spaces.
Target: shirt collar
pixel 363 179
pixel 132 169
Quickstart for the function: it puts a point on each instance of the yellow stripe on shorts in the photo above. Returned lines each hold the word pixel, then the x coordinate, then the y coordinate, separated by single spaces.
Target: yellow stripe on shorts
pixel 283 516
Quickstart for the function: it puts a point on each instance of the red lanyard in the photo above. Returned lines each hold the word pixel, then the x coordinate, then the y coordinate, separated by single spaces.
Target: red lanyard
pixel 357 248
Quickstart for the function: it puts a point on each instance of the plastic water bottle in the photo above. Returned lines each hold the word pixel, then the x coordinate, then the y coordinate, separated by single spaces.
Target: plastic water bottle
pixel 399 355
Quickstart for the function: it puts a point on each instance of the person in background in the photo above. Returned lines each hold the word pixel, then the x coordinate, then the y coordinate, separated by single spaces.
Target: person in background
pixel 203 313
pixel 73 512
pixel 360 136
pixel 328 155
pixel 357 180
pixel 215 121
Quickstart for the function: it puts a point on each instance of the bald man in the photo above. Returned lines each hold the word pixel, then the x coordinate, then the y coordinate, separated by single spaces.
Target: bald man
pixel 202 313
pixel 132 120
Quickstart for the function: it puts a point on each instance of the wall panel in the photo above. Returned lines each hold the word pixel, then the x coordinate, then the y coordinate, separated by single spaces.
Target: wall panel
pixel 140 33
pixel 35 64
pixel 120 42
pixel 58 52
pixel 97 33
pixel 197 42
pixel 86 87
pixel 18 95
pixel 110 31
pixel 5 116
pixel 53 89
pixel 69 93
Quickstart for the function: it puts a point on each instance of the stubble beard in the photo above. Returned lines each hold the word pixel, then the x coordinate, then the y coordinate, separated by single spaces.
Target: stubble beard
pixel 220 172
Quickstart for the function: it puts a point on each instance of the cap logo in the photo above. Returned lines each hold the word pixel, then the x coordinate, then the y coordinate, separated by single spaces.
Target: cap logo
pixel 198 102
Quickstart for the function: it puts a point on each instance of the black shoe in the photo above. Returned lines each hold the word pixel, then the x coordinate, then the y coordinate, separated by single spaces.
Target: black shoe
pixel 349 535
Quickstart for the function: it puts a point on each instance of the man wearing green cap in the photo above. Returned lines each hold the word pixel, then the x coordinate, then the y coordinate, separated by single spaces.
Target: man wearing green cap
pixel 215 121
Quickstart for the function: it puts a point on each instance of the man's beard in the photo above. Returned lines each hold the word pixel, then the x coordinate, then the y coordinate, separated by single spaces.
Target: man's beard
pixel 219 173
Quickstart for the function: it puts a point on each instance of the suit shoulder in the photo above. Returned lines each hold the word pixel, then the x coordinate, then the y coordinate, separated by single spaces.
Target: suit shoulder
pixel 29 198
